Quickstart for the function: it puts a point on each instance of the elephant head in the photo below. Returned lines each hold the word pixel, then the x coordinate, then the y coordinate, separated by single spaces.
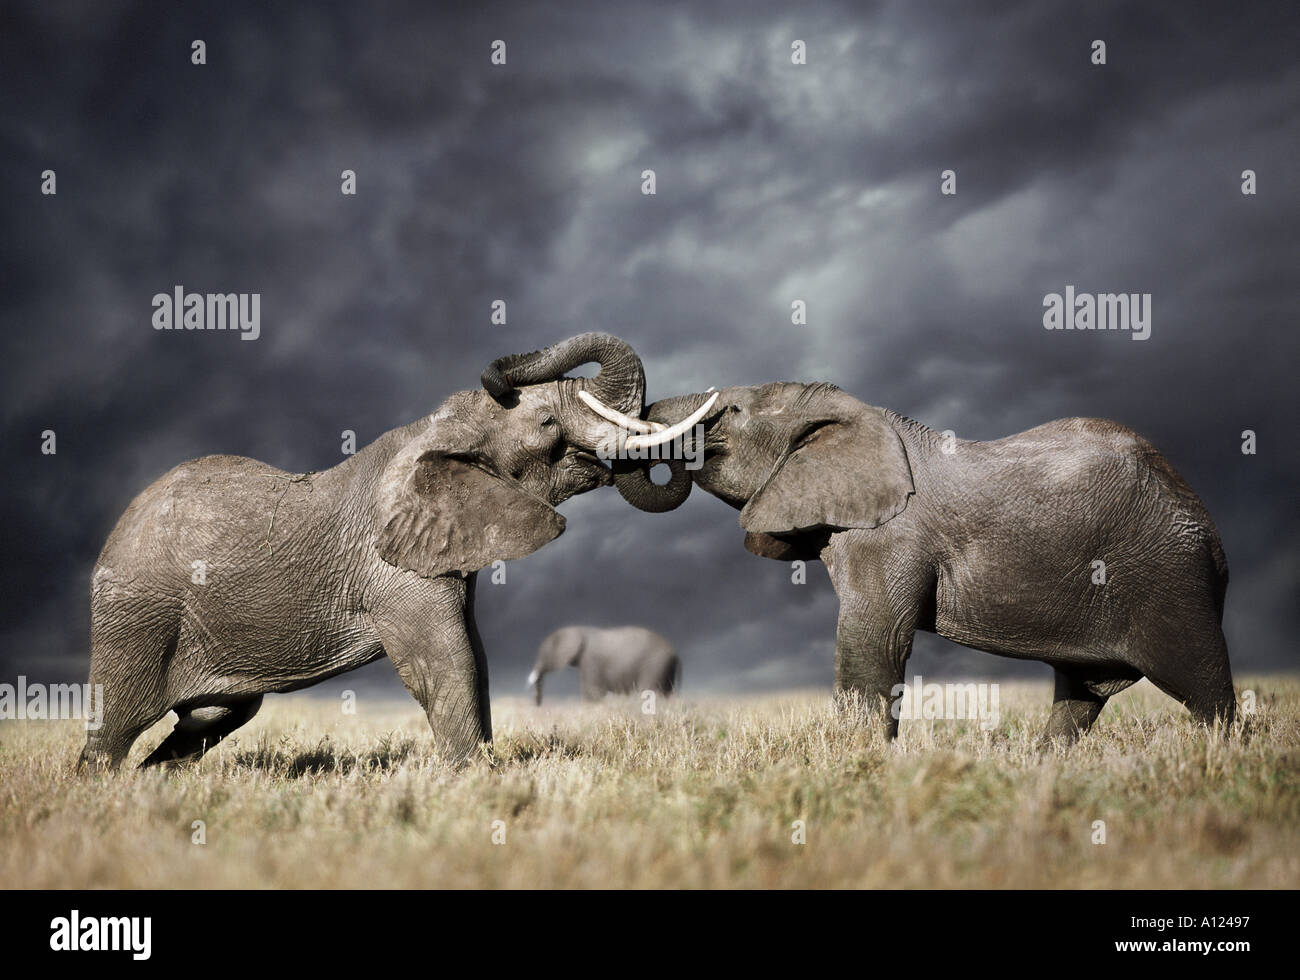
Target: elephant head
pixel 794 458
pixel 480 478
pixel 561 649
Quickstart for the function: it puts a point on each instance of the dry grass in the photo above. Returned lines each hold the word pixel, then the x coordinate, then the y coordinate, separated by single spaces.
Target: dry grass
pixel 702 795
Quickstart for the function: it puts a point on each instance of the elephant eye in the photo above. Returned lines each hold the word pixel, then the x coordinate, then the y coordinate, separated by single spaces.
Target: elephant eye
pixel 547 419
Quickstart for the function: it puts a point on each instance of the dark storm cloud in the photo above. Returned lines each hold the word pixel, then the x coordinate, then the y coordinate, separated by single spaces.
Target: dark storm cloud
pixel 775 183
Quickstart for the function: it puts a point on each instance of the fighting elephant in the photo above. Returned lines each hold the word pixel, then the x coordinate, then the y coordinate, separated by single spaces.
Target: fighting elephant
pixel 1075 543
pixel 228 579
pixel 622 660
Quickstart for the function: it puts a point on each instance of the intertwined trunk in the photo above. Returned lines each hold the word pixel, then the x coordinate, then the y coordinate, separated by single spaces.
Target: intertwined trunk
pixel 633 478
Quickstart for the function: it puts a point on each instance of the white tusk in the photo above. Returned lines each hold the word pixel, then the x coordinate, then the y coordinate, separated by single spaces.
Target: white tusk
pixel 617 417
pixel 532 678
pixel 671 433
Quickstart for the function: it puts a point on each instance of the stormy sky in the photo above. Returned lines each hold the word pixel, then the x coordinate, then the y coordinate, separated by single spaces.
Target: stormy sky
pixel 522 182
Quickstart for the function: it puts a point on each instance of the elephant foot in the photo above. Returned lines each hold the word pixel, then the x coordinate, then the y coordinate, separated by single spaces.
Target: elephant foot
pixel 871 710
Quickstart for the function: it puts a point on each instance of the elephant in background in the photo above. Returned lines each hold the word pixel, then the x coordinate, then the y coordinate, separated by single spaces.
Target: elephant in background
pixel 622 660
pixel 228 579
pixel 1075 543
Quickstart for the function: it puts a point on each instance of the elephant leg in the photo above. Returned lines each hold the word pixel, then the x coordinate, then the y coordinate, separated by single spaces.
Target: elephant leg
pixel 589 685
pixel 1077 701
pixel 672 678
pixel 118 726
pixel 108 746
pixel 882 588
pixel 427 632
pixel 125 687
pixel 199 729
pixel 871 654
pixel 1196 672
pixel 480 661
pixel 657 682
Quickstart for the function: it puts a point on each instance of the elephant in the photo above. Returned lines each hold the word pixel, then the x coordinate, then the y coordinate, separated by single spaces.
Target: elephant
pixel 228 579
pixel 1075 543
pixel 621 660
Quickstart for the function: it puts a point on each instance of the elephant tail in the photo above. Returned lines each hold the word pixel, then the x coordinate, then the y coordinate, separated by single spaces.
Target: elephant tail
pixel 675 682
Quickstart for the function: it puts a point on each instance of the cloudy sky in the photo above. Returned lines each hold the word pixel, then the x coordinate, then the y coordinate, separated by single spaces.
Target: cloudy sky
pixel 522 182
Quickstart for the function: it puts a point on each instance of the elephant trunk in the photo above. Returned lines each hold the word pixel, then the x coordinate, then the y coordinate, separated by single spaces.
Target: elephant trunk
pixel 620 383
pixel 632 479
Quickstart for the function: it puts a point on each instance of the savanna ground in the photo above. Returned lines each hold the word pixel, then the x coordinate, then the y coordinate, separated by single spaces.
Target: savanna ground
pixel 703 794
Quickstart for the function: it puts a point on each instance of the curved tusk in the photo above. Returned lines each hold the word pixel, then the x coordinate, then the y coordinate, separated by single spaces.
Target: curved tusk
pixel 672 432
pixel 617 417
pixel 532 678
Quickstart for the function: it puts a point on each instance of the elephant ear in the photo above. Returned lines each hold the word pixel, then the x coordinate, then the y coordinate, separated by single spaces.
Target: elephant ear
pixel 441 511
pixel 847 471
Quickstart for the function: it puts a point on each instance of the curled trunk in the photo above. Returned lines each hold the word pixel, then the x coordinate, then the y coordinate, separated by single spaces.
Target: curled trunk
pixel 632 479
pixel 620 383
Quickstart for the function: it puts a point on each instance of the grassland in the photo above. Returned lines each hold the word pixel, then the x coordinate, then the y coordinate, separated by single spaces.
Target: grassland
pixel 703 794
